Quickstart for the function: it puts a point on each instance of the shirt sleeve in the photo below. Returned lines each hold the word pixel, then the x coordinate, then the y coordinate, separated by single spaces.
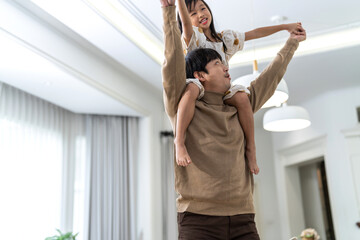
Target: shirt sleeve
pixel 262 88
pixel 197 40
pixel 233 40
pixel 173 68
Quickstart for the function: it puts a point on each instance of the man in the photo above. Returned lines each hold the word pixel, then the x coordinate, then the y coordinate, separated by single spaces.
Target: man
pixel 215 191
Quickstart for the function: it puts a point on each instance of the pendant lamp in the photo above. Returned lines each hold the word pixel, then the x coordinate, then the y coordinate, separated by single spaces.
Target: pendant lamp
pixel 281 94
pixel 286 118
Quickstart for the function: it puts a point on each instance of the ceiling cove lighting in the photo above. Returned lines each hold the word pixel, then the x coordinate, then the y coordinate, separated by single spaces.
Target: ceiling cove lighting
pixel 315 43
pixel 281 94
pixel 116 14
pixel 120 18
pixel 286 118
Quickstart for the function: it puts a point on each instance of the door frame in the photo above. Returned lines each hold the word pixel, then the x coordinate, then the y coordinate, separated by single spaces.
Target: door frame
pixel 288 182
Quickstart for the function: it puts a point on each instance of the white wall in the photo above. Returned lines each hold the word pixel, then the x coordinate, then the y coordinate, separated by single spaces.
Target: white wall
pixel 330 113
pixel 267 209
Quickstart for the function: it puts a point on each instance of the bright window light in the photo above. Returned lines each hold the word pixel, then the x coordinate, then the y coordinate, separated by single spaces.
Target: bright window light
pixel 30 181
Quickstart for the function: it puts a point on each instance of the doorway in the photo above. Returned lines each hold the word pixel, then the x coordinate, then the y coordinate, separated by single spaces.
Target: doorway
pixel 315 198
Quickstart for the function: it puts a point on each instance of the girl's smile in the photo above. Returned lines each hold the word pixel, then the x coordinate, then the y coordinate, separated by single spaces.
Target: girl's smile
pixel 204 21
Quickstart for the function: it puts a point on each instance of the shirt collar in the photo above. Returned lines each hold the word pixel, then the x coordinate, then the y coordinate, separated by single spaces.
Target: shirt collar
pixel 213 98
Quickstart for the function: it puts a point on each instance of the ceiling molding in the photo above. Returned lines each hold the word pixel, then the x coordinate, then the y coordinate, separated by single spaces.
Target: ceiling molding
pixel 112 69
pixel 142 18
pixel 78 75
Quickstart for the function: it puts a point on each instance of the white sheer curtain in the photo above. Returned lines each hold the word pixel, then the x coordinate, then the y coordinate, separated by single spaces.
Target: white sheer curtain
pixel 110 208
pixel 33 164
pixel 64 170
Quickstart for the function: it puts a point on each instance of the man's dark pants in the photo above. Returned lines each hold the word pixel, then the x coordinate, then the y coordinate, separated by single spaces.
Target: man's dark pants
pixel 203 227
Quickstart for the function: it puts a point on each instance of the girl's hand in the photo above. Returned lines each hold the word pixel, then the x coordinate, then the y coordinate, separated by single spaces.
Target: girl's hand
pixel 293 27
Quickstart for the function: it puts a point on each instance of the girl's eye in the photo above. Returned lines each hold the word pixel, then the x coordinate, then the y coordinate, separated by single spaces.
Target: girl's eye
pixel 203 9
pixel 192 14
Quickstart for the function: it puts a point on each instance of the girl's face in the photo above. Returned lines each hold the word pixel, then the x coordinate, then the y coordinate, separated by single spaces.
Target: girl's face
pixel 200 15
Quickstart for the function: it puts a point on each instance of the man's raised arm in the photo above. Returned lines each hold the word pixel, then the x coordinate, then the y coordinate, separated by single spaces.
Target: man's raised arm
pixel 264 86
pixel 173 69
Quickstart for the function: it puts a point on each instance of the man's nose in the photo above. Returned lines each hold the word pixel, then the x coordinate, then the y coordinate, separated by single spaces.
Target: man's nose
pixel 226 68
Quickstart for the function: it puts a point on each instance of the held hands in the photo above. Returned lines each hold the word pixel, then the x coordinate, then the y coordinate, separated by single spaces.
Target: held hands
pixel 166 3
pixel 293 27
pixel 296 31
pixel 299 35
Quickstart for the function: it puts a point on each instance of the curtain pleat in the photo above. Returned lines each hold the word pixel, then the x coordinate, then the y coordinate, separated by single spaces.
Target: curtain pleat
pixel 169 226
pixel 111 200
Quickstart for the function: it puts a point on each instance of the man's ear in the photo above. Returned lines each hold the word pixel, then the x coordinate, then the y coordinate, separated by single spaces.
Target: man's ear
pixel 200 75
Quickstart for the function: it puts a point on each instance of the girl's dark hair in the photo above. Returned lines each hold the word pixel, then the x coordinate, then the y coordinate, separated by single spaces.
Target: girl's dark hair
pixel 214 34
pixel 197 60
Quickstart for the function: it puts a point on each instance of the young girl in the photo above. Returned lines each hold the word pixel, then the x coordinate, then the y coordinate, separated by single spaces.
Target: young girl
pixel 198 31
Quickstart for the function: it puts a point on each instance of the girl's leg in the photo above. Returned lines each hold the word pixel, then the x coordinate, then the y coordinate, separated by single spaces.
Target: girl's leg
pixel 246 117
pixel 185 114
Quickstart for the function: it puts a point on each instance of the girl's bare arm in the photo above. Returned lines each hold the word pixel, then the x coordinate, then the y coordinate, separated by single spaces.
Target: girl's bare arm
pixel 266 31
pixel 186 21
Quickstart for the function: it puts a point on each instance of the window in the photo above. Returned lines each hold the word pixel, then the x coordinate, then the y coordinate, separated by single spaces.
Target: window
pixel 30 180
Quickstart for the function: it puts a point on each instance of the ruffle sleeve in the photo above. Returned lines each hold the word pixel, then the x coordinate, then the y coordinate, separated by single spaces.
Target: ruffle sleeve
pixel 234 41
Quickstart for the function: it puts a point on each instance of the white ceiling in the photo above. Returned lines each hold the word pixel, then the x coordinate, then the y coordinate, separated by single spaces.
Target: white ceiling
pixel 307 76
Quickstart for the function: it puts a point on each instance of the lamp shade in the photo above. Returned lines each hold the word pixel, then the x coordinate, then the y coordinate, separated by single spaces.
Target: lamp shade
pixel 286 118
pixel 280 96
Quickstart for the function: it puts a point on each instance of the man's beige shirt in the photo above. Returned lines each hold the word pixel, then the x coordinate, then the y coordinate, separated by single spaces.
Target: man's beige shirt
pixel 217 182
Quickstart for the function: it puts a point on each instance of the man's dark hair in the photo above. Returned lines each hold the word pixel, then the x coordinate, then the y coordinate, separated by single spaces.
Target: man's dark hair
pixel 197 60
pixel 214 34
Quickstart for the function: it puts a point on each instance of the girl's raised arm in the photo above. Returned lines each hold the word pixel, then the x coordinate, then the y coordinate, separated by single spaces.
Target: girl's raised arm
pixel 266 31
pixel 186 21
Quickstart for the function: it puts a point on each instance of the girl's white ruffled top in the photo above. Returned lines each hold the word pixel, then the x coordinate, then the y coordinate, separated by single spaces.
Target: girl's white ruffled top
pixel 233 40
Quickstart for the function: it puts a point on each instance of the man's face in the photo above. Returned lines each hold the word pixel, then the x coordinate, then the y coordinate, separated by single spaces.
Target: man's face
pixel 218 78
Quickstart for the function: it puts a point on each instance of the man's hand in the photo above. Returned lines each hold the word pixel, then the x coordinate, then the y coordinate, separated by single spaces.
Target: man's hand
pixel 293 27
pixel 166 3
pixel 300 35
